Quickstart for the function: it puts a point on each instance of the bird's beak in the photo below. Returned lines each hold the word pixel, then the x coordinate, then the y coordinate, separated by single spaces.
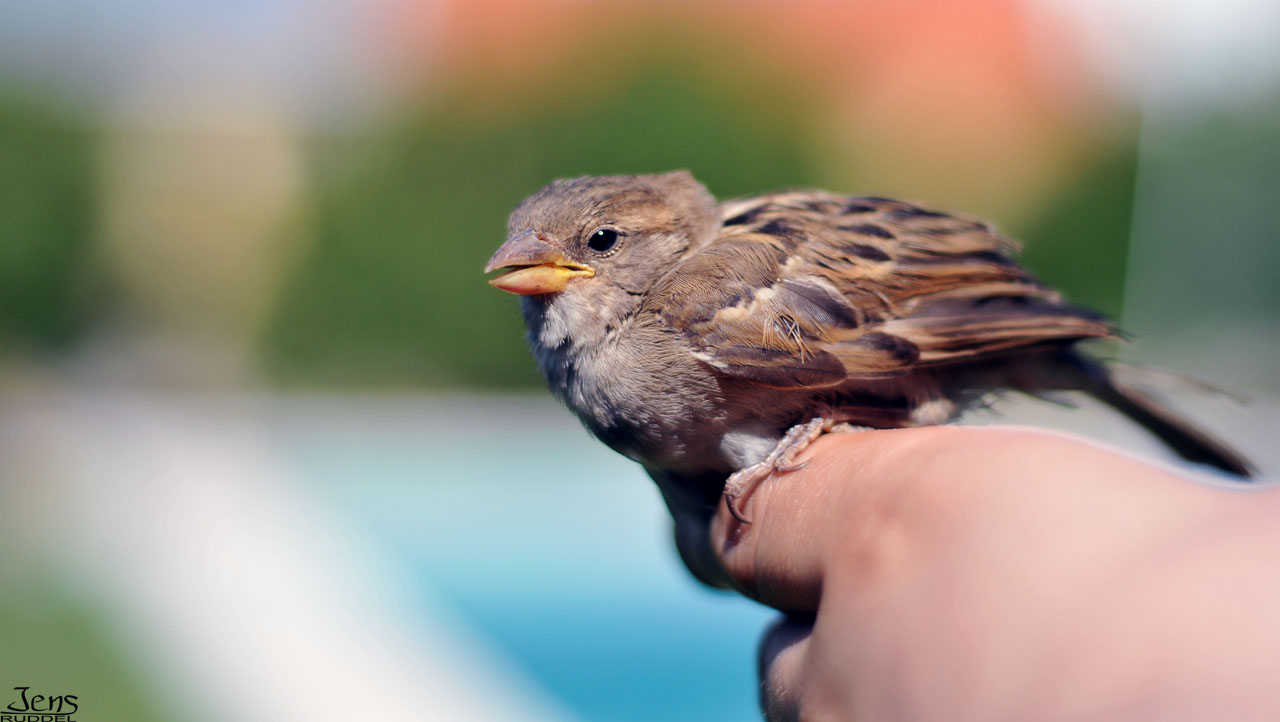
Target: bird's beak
pixel 535 266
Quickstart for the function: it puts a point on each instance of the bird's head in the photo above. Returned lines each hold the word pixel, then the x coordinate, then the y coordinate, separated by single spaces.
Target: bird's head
pixel 584 251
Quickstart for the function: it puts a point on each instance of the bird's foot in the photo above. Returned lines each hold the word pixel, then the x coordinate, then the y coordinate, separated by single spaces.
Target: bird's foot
pixel 740 486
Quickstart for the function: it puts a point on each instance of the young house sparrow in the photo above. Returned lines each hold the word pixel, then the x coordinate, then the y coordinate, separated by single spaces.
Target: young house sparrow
pixel 707 339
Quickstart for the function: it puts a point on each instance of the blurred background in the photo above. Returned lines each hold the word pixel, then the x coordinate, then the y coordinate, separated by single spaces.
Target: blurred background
pixel 270 448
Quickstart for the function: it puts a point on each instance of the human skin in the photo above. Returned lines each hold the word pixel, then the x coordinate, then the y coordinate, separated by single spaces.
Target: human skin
pixel 1002 573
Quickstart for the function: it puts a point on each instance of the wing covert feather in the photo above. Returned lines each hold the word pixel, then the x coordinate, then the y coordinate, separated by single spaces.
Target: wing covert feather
pixel 809 289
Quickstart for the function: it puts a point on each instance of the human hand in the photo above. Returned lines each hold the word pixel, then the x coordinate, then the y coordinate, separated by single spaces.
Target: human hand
pixel 962 573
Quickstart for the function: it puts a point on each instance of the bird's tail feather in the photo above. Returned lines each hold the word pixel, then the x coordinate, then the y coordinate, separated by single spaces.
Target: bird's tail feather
pixel 1180 435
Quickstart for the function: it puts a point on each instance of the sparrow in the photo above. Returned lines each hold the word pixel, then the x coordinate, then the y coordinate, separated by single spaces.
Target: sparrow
pixel 711 342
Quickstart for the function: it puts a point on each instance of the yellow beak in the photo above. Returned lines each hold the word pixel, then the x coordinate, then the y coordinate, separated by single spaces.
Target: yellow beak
pixel 535 265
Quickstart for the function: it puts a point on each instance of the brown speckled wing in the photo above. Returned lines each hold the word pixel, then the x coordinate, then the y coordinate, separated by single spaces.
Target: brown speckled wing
pixel 808 288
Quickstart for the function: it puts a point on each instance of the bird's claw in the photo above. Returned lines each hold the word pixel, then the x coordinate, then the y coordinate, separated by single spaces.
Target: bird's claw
pixel 731 501
pixel 740 486
pixel 792 467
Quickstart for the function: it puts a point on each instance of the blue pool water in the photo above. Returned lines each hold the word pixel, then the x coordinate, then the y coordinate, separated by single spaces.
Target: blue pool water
pixel 550 548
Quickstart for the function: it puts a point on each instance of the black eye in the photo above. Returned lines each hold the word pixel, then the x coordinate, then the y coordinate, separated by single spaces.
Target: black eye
pixel 603 240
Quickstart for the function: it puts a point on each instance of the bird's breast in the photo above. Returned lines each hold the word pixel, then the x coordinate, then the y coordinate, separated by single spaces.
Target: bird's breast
pixel 646 397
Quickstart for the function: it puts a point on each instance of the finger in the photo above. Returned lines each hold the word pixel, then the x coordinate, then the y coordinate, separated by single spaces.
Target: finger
pixel 782 653
pixel 802 518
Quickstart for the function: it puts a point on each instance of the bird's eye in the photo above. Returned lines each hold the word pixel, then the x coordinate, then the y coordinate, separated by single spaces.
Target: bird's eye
pixel 603 240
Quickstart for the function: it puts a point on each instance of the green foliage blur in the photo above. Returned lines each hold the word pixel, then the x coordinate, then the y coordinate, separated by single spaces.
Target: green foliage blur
pixel 393 291
pixel 46 225
pixel 57 644
pixel 387 290
pixel 1080 242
